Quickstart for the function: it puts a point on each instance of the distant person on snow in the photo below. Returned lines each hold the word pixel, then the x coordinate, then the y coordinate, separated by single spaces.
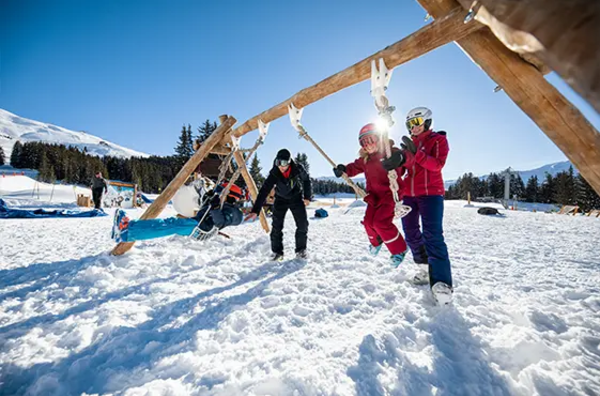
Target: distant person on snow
pixel 99 186
pixel 379 217
pixel 210 219
pixel 424 193
pixel 293 192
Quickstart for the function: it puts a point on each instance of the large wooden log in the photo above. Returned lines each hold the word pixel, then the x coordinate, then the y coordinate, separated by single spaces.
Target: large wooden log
pixel 239 159
pixel 424 40
pixel 564 35
pixel 160 203
pixel 525 85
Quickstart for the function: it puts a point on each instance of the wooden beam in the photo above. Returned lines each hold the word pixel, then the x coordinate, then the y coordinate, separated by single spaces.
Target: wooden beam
pixel 424 40
pixel 239 159
pixel 160 203
pixel 220 150
pixel 564 35
pixel 525 85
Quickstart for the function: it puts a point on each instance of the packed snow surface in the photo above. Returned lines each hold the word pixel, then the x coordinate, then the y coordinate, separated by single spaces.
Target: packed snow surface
pixel 175 316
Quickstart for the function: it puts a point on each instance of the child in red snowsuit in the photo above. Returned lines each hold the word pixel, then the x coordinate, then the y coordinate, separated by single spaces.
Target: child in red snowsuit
pixel 379 217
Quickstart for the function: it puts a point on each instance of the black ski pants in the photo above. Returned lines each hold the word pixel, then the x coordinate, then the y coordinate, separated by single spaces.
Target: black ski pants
pixel 280 208
pixel 97 197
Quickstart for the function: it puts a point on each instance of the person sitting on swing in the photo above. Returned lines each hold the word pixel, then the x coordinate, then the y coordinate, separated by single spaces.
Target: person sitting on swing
pixel 209 220
pixel 379 216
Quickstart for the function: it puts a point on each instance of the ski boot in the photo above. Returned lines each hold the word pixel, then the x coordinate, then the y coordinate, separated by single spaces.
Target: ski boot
pixel 374 250
pixel 397 259
pixel 442 293
pixel 422 275
pixel 120 224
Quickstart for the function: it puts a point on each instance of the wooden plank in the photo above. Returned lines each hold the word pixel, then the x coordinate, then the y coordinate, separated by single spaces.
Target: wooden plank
pixel 424 40
pixel 525 85
pixel 161 201
pixel 564 35
pixel 239 159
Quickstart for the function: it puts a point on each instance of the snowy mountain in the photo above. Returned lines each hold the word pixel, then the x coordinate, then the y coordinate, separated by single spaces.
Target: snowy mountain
pixel 540 172
pixel 13 128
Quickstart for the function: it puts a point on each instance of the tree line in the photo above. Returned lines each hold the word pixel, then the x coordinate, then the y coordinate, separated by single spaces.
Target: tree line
pixel 564 188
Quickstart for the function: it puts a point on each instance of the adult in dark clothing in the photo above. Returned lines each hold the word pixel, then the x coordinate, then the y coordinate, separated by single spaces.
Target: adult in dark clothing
pixel 293 192
pixel 99 185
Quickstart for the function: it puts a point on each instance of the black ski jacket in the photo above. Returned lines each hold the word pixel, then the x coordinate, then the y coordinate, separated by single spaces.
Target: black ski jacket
pixel 296 186
pixel 99 183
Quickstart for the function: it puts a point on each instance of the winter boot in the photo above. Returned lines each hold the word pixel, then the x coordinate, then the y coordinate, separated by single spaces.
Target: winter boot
pixel 442 293
pixel 277 257
pixel 422 275
pixel 120 224
pixel 302 254
pixel 397 259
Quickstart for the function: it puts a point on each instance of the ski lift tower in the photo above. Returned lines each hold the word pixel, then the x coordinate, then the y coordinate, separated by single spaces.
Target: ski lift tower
pixel 507 173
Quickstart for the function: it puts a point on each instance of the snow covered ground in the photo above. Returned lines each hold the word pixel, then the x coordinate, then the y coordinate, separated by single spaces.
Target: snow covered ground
pixel 177 317
pixel 24 192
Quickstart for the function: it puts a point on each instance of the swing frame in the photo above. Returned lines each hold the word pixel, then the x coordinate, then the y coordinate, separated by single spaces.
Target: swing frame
pixel 519 75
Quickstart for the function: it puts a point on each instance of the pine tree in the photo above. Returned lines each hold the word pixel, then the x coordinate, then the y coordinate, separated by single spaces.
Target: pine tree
pixel 587 198
pixel 532 190
pixel 302 159
pixel 2 159
pixel 184 146
pixel 517 187
pixel 205 130
pixel 255 170
pixel 565 188
pixel 15 156
pixel 547 190
pixel 496 185
pixel 47 173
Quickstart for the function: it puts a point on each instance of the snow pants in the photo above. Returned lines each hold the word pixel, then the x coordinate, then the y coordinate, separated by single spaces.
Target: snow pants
pixel 379 224
pixel 280 208
pixel 138 230
pixel 428 246
pixel 97 197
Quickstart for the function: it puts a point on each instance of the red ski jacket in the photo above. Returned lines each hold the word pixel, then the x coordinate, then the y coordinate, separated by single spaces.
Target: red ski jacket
pixel 425 173
pixel 378 184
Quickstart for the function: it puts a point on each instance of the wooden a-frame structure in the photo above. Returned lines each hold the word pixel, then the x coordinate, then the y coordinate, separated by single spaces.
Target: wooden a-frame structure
pixel 542 35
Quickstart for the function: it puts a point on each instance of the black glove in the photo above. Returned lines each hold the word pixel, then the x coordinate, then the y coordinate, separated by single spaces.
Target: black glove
pixel 395 161
pixel 339 170
pixel 408 145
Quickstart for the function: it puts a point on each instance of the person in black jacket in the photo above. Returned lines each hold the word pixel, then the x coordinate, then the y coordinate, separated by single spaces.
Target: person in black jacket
pixel 98 185
pixel 293 192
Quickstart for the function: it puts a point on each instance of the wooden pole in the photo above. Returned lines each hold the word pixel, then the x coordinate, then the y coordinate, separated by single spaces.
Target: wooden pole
pixel 163 199
pixel 241 163
pixel 424 40
pixel 357 190
pixel 526 86
pixel 564 35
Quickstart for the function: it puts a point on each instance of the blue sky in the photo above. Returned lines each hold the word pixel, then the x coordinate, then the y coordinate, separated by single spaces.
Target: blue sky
pixel 133 72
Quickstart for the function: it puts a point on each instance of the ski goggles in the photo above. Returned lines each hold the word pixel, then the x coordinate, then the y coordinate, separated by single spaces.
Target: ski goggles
pixel 413 122
pixel 368 140
pixel 282 162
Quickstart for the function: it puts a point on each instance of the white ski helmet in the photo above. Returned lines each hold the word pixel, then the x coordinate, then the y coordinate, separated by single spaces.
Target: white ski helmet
pixel 419 116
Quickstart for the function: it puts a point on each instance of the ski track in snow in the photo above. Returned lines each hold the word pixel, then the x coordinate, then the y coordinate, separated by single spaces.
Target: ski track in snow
pixel 175 316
